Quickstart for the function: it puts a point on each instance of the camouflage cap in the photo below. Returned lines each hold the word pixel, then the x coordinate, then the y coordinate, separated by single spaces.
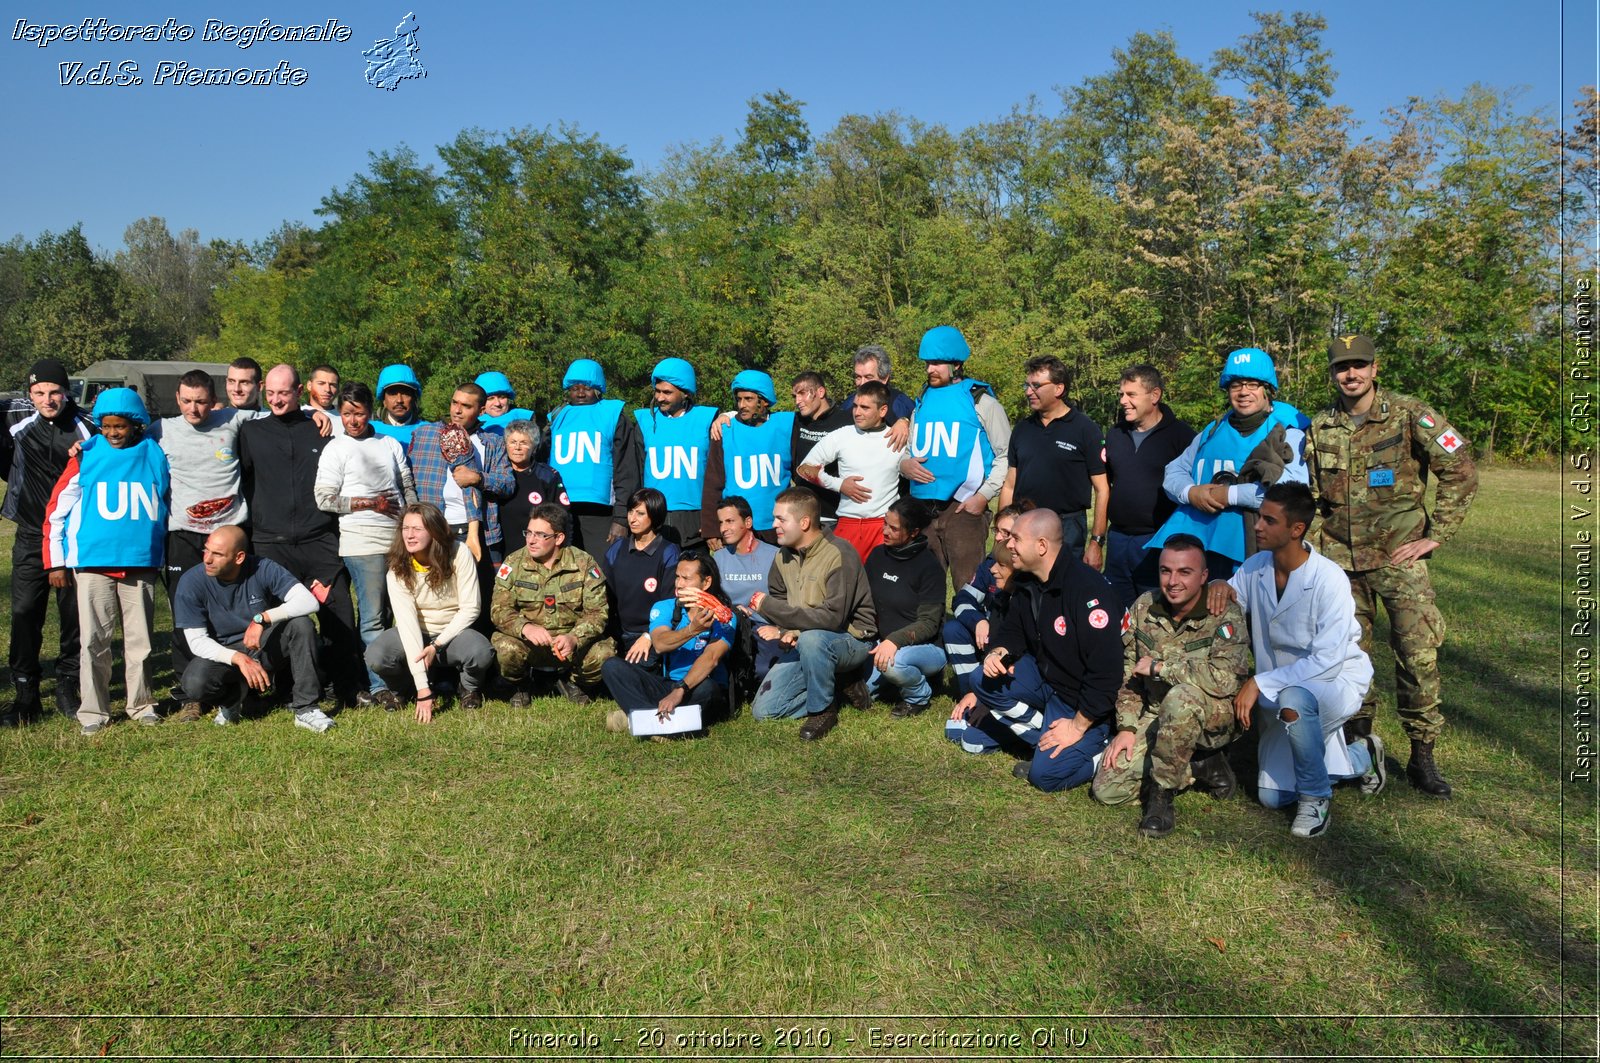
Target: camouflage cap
pixel 1355 348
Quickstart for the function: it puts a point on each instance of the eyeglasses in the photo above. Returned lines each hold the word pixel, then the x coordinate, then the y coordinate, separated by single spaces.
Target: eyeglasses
pixel 1246 385
pixel 541 536
pixel 1031 386
pixel 1003 533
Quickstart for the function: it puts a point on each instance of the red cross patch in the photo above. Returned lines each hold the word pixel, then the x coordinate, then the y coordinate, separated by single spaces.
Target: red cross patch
pixel 1127 621
pixel 535 497
pixel 1098 618
pixel 564 500
pixel 650 584
pixel 1061 625
pixel 502 572
pixel 1450 441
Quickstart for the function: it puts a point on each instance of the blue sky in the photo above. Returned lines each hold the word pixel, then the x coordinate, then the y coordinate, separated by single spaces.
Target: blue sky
pixel 237 161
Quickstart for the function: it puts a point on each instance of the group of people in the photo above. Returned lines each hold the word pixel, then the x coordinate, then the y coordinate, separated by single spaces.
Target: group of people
pixel 1151 593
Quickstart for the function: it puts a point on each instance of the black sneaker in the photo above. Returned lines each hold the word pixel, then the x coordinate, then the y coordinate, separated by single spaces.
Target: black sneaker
pixel 903 709
pixel 67 699
pixel 470 701
pixel 858 696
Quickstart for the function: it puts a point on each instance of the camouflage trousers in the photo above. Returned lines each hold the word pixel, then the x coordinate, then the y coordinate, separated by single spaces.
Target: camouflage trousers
pixel 518 656
pixel 1165 740
pixel 1416 631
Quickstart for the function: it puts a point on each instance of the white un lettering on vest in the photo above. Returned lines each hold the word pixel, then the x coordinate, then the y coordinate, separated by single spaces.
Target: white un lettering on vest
pixel 580 447
pixel 936 438
pixel 764 471
pixel 669 462
pixel 143 499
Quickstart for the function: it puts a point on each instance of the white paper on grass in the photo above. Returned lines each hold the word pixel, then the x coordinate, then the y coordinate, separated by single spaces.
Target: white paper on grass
pixel 644 722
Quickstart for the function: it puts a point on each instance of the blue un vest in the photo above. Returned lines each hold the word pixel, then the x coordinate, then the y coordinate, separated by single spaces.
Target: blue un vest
pixel 497 423
pixel 756 461
pixel 402 432
pixel 948 436
pixel 675 451
pixel 122 520
pixel 1222 448
pixel 581 439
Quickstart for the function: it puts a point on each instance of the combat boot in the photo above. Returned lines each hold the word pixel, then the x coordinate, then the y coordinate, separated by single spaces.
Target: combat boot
pixel 1214 775
pixel 1159 819
pixel 1423 773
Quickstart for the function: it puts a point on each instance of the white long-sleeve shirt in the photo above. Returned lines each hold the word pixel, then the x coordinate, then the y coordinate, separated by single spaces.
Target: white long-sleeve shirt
pixel 443 614
pixel 863 454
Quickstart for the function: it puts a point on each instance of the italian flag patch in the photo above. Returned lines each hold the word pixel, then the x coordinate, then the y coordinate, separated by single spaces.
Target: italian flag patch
pixel 1225 631
pixel 1426 420
pixel 594 572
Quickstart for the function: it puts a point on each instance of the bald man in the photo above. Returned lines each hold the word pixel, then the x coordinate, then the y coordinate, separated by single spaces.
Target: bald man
pixel 278 459
pixel 1051 676
pixel 247 621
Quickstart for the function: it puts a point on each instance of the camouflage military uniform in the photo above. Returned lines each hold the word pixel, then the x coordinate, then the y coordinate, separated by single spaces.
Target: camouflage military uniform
pixel 1203 661
pixel 1370 480
pixel 567 599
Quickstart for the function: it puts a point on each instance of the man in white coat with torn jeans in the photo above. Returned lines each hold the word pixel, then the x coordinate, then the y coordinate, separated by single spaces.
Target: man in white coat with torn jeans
pixel 1311 672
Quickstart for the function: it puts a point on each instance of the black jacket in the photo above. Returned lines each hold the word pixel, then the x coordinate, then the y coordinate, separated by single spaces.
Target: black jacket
pixel 1071 624
pixel 278 459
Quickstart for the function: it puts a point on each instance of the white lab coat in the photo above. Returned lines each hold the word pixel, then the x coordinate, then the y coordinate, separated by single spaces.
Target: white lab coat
pixel 1309 638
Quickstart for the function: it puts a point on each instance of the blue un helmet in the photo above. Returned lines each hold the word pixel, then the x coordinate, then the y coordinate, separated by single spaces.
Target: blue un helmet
pixel 677 372
pixel 1249 363
pixel 398 376
pixel 944 343
pixel 757 381
pixel 585 371
pixel 494 383
pixel 121 402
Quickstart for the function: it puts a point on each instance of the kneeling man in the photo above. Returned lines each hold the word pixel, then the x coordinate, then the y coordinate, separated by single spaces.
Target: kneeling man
pixel 246 620
pixel 1311 672
pixel 1181 668
pixel 549 612
pixel 821 602
pixel 1065 624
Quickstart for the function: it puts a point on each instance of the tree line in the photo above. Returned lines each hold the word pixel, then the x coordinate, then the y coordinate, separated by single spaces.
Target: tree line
pixel 1164 211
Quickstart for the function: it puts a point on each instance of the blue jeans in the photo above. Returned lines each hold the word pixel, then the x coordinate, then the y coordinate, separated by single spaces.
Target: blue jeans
pixel 1074 765
pixel 912 668
pixel 1131 569
pixel 1016 704
pixel 372 602
pixel 802 685
pixel 1310 748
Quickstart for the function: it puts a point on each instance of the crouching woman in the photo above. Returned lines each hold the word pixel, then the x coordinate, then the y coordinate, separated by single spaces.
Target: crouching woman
pixel 433 594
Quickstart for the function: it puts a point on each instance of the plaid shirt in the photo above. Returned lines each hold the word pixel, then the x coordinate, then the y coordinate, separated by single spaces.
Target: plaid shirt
pixel 431 470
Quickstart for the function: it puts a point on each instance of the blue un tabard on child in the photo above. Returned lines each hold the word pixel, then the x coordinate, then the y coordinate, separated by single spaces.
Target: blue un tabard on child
pixel 1380 478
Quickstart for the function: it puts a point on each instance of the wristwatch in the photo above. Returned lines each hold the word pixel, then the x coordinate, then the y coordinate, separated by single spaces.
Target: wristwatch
pixel 259 618
pixel 681 685
pixel 1098 540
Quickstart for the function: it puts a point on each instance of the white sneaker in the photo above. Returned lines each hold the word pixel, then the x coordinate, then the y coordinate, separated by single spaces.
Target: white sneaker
pixel 617 722
pixel 1312 817
pixel 1377 776
pixel 227 716
pixel 313 719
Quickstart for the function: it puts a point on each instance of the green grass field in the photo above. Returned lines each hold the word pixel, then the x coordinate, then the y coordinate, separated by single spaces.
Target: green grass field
pixel 395 889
